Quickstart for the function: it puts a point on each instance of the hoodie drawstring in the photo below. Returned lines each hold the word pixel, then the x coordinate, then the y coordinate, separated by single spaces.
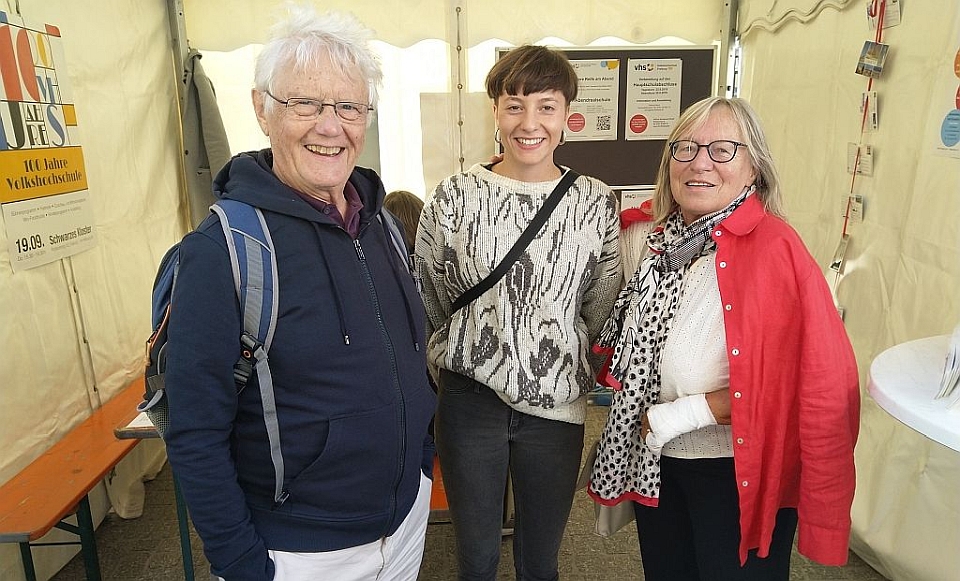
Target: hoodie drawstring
pixel 398 276
pixel 333 284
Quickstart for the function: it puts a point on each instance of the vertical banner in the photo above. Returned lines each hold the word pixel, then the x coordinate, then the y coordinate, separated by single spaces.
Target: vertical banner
pixel 47 212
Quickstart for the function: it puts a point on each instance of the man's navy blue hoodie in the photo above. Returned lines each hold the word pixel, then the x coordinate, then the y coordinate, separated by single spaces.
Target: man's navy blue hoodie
pixel 352 396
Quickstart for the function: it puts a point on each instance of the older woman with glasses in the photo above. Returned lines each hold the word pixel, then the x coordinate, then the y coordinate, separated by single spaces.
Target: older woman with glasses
pixel 737 402
pixel 343 492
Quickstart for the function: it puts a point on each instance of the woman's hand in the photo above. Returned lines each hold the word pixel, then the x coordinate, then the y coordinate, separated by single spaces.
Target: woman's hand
pixel 719 402
pixel 644 427
pixel 665 421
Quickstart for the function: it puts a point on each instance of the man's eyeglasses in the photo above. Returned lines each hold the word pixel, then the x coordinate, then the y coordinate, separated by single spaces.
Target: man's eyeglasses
pixel 309 109
pixel 720 151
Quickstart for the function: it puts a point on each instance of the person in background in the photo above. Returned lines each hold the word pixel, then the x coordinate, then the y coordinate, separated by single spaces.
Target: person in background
pixel 351 392
pixel 513 364
pixel 407 208
pixel 737 403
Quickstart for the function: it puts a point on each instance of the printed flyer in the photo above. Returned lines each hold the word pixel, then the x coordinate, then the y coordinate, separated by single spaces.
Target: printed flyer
pixel 653 98
pixel 46 206
pixel 594 113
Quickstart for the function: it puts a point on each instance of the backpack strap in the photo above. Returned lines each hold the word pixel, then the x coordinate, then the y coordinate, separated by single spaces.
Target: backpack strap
pixel 393 232
pixel 251 253
pixel 155 356
pixel 254 266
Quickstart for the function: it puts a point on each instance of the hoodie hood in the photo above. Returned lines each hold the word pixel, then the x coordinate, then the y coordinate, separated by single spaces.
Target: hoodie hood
pixel 248 177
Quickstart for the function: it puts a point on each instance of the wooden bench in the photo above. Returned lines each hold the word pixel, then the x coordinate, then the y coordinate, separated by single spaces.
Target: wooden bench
pixel 57 483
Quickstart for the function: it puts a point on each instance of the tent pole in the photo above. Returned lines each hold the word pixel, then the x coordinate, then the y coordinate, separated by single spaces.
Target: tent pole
pixel 180 48
pixel 178 37
pixel 457 36
pixel 728 37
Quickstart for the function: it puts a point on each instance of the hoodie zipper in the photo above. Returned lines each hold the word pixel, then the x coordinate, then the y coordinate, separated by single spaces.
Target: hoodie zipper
pixel 396 381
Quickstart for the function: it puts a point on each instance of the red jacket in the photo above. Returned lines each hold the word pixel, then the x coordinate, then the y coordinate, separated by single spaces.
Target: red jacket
pixel 793 384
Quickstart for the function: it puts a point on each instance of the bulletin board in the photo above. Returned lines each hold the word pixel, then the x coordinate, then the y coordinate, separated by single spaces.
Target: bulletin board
pixel 622 159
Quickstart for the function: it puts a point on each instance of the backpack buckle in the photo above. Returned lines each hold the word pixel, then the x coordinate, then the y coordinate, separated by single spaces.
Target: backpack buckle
pixel 243 369
pixel 249 345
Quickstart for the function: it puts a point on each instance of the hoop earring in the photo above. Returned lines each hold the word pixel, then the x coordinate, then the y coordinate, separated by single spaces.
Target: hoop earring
pixel 496 136
pixel 563 137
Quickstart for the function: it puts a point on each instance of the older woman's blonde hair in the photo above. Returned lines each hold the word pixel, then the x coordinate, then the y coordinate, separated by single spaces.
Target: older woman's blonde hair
pixel 751 133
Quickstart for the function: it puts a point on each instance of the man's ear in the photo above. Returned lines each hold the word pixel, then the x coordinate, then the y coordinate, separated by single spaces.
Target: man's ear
pixel 259 107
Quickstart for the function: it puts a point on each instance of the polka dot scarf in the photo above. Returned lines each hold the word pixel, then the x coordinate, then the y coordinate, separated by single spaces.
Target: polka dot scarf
pixel 625 468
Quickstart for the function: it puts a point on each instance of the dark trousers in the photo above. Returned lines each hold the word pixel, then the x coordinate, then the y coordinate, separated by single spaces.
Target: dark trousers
pixel 694 533
pixel 480 439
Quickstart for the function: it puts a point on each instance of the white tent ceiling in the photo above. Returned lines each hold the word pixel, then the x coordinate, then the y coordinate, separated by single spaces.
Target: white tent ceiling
pixel 406 22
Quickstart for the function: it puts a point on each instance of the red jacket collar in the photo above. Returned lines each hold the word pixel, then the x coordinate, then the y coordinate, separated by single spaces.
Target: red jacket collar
pixel 745 218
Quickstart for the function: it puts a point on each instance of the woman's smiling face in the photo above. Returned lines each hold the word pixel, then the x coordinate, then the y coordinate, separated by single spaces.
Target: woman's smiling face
pixel 530 129
pixel 702 186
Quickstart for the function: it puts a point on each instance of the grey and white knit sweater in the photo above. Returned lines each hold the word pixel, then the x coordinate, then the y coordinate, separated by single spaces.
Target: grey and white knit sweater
pixel 528 338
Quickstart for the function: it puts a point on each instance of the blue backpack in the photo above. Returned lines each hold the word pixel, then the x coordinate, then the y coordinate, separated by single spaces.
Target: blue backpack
pixel 254 266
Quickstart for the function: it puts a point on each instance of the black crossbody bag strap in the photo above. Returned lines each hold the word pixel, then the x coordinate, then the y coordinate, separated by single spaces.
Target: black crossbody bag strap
pixel 521 244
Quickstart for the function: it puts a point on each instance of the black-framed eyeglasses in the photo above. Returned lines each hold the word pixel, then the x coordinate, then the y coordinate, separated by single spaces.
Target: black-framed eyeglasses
pixel 720 151
pixel 309 109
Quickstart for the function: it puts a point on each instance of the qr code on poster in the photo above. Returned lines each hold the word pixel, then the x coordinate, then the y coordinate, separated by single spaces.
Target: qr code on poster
pixel 603 123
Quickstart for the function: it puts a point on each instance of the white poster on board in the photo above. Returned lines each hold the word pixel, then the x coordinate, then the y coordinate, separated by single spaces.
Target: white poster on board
pixel 653 98
pixel 594 113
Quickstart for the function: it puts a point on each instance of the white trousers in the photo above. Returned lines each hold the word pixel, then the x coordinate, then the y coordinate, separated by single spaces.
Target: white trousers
pixel 394 558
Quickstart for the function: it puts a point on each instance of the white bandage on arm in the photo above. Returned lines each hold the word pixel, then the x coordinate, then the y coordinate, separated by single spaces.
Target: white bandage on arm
pixel 669 420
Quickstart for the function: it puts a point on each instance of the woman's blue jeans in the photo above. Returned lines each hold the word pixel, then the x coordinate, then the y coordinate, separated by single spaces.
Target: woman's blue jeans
pixel 480 439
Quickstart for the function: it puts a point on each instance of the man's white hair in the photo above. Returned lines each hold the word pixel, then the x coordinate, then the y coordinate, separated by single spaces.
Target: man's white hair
pixel 304 37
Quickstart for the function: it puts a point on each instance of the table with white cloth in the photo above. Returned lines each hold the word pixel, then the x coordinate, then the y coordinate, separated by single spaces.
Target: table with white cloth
pixel 906 513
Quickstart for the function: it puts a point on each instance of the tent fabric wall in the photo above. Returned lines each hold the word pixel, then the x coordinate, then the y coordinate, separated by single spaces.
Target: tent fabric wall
pixel 73 330
pixel 903 264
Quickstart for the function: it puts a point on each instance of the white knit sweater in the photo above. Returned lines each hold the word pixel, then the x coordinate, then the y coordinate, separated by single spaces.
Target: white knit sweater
pixel 528 338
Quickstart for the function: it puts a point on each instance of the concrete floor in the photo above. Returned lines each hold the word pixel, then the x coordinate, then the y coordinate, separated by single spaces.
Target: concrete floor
pixel 148 549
